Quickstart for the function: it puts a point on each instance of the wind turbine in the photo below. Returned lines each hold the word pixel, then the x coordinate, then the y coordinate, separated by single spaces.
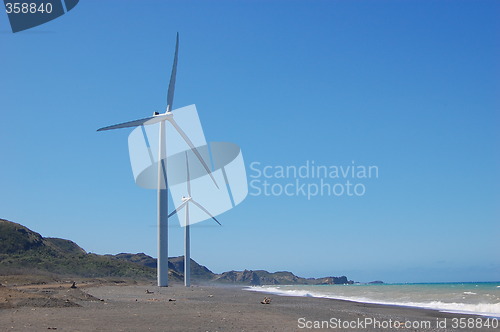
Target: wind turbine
pixel 186 200
pixel 162 265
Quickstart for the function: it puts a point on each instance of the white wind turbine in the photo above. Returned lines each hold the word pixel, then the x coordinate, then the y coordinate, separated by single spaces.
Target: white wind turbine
pixel 162 265
pixel 186 200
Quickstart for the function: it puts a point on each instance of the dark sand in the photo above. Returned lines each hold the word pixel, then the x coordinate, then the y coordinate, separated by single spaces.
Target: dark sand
pixel 98 306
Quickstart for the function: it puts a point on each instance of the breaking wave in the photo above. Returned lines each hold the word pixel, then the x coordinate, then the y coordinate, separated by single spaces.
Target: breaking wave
pixel 482 309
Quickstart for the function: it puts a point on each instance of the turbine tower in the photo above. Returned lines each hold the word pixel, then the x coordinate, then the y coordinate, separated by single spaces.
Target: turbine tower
pixel 186 200
pixel 162 118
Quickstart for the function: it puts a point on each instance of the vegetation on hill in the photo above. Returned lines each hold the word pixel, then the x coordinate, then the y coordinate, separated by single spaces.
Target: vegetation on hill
pixel 25 251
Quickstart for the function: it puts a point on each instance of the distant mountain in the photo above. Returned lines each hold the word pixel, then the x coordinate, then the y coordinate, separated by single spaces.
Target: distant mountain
pixel 198 272
pixel 246 277
pixel 262 277
pixel 140 258
pixel 24 251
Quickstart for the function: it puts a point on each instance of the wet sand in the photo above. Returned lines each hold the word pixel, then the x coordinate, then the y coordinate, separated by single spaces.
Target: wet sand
pixel 115 307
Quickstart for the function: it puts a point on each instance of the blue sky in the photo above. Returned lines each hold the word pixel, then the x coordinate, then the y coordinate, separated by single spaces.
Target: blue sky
pixel 409 86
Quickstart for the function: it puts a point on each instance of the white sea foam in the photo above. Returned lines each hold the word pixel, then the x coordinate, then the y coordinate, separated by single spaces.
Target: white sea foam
pixel 482 309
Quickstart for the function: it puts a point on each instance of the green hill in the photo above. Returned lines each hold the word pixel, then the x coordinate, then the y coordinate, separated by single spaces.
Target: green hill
pixel 24 251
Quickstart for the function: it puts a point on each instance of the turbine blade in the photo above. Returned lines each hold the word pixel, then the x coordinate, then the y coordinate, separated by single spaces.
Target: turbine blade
pixel 177 210
pixel 193 148
pixel 171 85
pixel 204 210
pixel 134 123
pixel 188 179
pixel 146 141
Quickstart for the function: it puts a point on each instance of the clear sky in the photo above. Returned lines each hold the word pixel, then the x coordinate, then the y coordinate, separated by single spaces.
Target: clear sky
pixel 411 87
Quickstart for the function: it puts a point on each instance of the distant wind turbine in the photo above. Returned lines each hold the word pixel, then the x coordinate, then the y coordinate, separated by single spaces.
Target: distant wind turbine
pixel 186 201
pixel 162 266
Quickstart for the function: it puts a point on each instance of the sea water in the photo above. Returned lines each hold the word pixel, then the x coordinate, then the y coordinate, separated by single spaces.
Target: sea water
pixel 482 298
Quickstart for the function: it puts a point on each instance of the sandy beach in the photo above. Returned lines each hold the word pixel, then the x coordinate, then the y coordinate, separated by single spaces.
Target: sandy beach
pixel 121 306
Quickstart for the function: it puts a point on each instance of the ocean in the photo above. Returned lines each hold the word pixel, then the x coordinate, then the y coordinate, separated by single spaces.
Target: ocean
pixel 480 298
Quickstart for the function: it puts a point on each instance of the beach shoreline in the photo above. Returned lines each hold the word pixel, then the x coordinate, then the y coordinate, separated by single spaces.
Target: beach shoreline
pixel 126 307
pixel 451 301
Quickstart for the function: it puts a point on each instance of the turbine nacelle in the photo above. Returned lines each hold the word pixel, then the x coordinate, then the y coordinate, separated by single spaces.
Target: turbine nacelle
pixel 167 112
